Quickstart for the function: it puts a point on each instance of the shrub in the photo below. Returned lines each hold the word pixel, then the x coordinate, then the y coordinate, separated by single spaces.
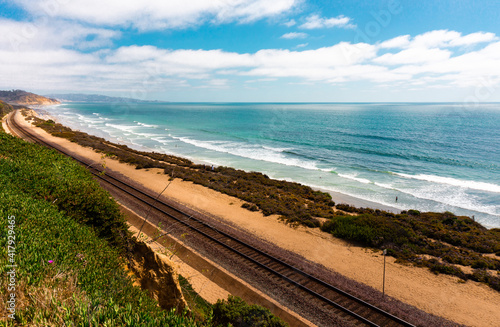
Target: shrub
pixel 480 275
pixel 249 206
pixel 440 268
pixel 369 230
pixel 414 212
pixel 235 312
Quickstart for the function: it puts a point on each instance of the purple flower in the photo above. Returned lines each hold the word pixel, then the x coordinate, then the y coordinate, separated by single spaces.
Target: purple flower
pixel 51 261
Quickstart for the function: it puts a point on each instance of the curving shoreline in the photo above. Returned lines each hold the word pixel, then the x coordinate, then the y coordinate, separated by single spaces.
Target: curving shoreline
pixel 337 196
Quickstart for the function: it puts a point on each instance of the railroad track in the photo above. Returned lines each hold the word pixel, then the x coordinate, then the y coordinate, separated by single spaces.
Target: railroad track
pixel 308 287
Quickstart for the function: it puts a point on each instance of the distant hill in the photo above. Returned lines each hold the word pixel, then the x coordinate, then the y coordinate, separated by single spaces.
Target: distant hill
pixel 92 98
pixel 21 97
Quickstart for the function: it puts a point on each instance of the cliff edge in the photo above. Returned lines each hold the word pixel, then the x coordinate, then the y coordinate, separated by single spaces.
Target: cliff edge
pixel 156 274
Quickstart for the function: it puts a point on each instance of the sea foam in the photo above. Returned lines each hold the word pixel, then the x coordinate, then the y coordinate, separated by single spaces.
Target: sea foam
pixel 355 178
pixel 250 151
pixel 481 186
pixel 449 196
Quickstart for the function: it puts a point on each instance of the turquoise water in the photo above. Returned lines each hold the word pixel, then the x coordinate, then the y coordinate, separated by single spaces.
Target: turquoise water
pixel 433 157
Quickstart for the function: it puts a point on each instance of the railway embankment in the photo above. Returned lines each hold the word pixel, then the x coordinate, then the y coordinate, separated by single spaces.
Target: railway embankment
pixel 68 246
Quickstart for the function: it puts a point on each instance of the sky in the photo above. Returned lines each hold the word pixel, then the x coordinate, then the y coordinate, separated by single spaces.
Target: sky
pixel 254 50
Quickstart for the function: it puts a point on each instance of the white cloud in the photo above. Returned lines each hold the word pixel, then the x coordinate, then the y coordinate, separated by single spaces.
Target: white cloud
pixel 438 39
pixel 483 62
pixel 231 63
pixel 397 42
pixel 315 21
pixel 435 39
pixel 337 55
pixel 130 66
pixel 290 23
pixel 54 34
pixel 294 35
pixel 46 58
pixel 302 45
pixel 434 59
pixel 445 38
pixel 207 59
pixel 191 64
pixel 135 54
pixel 216 83
pixel 340 63
pixel 260 80
pixel 413 56
pixel 473 38
pixel 154 14
pixel 252 10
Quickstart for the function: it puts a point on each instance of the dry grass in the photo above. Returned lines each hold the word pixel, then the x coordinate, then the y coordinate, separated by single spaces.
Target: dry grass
pixel 50 304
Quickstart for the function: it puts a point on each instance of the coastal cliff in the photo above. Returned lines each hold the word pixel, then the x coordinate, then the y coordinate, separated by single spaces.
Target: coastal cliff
pixel 20 97
pixel 156 274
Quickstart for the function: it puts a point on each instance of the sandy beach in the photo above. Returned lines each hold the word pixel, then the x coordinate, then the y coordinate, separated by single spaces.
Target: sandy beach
pixel 468 303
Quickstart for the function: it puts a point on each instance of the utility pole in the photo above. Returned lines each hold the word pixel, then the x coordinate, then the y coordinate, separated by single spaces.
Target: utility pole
pixel 383 284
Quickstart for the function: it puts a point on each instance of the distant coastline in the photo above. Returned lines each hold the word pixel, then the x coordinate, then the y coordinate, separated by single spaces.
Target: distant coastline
pixel 79 97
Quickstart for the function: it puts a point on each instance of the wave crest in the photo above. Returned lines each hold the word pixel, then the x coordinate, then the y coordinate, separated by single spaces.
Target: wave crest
pixel 481 186
pixel 251 151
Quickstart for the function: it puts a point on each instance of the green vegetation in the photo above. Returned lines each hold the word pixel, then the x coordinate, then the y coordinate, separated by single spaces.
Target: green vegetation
pixel 81 285
pixel 5 108
pixel 200 309
pixel 441 241
pixel 70 242
pixel 66 274
pixel 235 312
pixel 45 174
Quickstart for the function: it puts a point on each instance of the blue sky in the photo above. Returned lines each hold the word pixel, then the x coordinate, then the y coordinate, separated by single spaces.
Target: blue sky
pixel 260 50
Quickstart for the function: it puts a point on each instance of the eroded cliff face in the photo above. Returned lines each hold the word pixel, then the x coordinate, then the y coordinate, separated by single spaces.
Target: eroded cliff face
pixel 156 274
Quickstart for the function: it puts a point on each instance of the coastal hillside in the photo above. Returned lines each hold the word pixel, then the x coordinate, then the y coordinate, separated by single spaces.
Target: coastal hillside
pixel 20 97
pixel 67 239
pixel 5 108
pixel 78 97
pixel 64 243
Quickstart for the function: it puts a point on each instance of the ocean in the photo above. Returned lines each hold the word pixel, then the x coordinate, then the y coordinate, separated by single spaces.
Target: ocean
pixel 430 156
